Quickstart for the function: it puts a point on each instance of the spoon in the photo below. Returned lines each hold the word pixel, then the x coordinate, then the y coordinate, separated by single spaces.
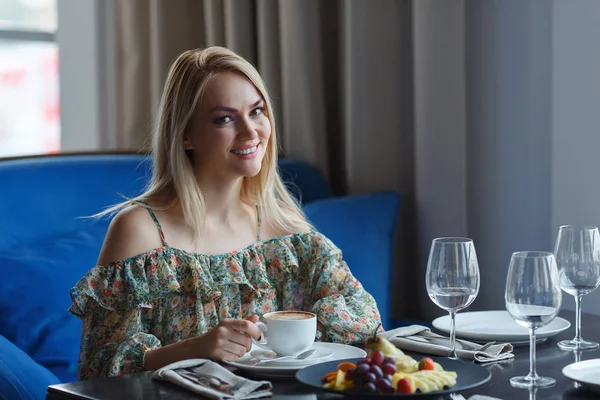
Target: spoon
pixel 300 356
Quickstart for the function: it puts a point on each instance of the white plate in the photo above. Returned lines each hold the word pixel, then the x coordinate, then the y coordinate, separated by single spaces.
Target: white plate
pixel 288 368
pixel 496 326
pixel 585 372
pixel 516 343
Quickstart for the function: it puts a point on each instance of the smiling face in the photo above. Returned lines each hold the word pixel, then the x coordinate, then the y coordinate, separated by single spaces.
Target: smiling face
pixel 229 130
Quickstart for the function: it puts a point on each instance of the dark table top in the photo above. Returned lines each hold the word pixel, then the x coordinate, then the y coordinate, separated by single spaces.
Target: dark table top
pixel 550 362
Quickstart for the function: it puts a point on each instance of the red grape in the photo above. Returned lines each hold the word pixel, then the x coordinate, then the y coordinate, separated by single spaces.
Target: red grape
pixel 369 377
pixel 375 369
pixel 362 369
pixel 370 387
pixel 389 360
pixel 384 386
pixel 389 369
pixel 388 377
pixel 377 358
pixel 351 373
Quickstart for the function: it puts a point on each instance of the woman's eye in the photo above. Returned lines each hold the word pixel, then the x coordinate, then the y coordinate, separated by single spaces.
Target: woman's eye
pixel 223 120
pixel 258 111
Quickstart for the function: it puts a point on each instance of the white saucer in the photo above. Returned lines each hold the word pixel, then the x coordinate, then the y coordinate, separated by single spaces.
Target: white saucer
pixel 496 326
pixel 585 372
pixel 287 368
pixel 266 355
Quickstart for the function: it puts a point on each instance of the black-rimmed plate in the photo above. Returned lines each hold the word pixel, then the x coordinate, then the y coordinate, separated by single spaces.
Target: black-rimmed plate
pixel 469 375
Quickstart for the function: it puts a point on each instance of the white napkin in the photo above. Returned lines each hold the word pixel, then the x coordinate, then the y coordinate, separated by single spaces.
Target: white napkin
pixel 210 379
pixel 420 339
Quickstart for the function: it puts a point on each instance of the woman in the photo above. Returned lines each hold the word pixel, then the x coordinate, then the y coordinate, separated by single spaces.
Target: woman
pixel 214 241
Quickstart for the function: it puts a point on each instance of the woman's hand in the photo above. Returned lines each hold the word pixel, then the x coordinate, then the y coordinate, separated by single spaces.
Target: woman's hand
pixel 229 340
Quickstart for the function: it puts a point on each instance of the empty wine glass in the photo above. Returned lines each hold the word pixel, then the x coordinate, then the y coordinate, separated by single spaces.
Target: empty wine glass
pixel 577 254
pixel 533 299
pixel 452 278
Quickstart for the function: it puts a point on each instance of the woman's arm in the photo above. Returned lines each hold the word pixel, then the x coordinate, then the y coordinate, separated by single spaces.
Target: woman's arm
pixel 115 344
pixel 346 311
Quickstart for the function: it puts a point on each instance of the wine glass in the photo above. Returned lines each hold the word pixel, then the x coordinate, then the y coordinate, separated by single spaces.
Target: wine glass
pixel 577 253
pixel 533 299
pixel 452 278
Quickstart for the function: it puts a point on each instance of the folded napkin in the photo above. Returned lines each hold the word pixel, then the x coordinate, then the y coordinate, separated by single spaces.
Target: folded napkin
pixel 212 380
pixel 420 339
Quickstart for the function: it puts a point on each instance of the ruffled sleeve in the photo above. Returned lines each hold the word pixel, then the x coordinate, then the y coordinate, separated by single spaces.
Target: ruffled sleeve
pixel 348 313
pixel 115 303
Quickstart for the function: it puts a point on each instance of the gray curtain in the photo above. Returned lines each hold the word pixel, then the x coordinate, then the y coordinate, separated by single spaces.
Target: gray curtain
pixel 340 74
pixel 477 112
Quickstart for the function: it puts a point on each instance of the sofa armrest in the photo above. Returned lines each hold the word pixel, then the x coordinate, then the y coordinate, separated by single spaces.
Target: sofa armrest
pixel 20 376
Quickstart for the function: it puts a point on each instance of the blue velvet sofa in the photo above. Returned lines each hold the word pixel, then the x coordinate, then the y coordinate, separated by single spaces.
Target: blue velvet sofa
pixel 46 246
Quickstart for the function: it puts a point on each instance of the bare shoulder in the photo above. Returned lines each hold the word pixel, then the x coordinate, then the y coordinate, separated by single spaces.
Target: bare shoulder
pixel 131 232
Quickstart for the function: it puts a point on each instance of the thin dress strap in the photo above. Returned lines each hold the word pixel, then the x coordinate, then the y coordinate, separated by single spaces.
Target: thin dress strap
pixel 258 235
pixel 160 231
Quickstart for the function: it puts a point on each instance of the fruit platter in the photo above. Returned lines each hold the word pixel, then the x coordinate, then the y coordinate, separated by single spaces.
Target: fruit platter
pixel 388 371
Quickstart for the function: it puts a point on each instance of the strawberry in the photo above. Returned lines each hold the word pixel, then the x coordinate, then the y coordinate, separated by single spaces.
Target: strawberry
pixel 426 363
pixel 404 386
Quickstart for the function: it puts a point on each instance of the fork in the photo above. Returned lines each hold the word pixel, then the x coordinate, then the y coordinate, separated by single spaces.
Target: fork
pixel 212 381
pixel 457 396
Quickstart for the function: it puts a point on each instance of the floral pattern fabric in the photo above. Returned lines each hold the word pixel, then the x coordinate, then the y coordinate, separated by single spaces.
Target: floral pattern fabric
pixel 166 295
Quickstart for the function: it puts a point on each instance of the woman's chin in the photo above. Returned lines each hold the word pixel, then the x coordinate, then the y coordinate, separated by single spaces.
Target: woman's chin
pixel 249 170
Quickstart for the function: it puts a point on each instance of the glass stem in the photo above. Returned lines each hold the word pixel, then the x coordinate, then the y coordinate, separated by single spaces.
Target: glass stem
pixel 532 373
pixel 453 335
pixel 577 318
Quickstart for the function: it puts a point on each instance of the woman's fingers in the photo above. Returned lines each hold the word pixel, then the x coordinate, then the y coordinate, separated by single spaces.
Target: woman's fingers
pixel 233 338
pixel 253 318
pixel 243 325
pixel 241 339
pixel 233 351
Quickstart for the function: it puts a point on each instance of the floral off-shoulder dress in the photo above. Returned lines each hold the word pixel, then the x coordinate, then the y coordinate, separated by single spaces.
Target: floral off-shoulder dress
pixel 166 295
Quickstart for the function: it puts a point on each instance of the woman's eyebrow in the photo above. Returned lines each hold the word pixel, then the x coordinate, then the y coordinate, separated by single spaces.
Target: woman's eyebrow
pixel 233 110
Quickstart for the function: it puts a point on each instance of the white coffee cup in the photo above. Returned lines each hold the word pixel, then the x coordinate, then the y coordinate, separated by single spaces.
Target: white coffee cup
pixel 287 333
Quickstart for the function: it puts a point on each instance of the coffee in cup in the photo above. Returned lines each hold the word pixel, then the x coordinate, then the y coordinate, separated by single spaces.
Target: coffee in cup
pixel 289 315
pixel 287 333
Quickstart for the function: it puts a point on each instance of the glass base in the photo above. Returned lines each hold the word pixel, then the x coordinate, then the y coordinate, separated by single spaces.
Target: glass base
pixel 577 345
pixel 528 382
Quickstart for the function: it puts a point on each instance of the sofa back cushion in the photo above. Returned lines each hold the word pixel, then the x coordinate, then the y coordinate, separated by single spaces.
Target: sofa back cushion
pixel 47 196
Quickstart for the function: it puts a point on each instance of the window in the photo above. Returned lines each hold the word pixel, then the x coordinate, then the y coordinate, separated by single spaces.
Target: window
pixel 29 81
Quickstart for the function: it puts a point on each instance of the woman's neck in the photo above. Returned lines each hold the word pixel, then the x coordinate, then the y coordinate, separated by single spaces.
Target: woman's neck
pixel 223 202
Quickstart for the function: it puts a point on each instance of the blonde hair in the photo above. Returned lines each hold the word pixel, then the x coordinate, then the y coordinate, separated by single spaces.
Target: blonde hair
pixel 172 174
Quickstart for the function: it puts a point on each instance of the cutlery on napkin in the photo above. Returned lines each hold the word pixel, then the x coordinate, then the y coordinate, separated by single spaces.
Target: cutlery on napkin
pixel 420 339
pixel 212 380
pixel 458 396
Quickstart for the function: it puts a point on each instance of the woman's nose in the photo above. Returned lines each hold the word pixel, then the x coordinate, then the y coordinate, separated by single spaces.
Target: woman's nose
pixel 247 130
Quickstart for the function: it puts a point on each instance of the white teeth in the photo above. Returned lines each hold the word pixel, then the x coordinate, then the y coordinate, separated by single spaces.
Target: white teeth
pixel 247 151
